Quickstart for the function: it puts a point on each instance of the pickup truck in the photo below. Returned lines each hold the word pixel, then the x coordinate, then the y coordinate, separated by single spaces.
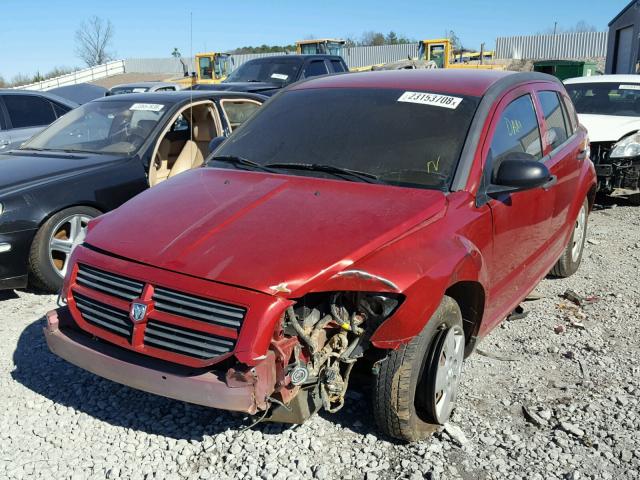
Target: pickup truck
pixel 269 75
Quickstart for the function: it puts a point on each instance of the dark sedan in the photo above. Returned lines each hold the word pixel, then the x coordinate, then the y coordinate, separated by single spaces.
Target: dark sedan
pixel 94 159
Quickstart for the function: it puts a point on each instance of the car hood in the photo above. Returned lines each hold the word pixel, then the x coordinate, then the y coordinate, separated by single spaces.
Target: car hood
pixel 608 128
pixel 258 230
pixel 250 87
pixel 20 169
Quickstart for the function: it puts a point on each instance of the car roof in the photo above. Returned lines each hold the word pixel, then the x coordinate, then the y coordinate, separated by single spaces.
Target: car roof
pixel 176 97
pixel 144 85
pixel 605 79
pixel 474 82
pixel 297 56
pixel 40 93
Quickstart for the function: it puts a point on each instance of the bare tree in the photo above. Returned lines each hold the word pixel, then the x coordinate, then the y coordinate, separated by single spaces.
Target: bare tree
pixel 93 40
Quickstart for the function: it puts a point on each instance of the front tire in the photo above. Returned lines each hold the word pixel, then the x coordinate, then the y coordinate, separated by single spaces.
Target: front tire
pixel 570 260
pixel 416 385
pixel 54 243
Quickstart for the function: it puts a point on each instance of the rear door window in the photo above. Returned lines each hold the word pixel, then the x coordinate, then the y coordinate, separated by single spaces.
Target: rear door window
pixel 238 111
pixel 554 117
pixel 517 130
pixel 337 66
pixel 315 68
pixel 59 109
pixel 28 111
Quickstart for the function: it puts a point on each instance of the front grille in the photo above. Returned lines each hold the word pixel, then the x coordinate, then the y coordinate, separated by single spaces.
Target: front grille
pixel 185 341
pixel 108 283
pixel 104 316
pixel 198 308
pixel 600 152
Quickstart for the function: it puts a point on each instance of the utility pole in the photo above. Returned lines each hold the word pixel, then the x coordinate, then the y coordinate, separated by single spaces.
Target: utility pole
pixel 555 25
pixel 481 53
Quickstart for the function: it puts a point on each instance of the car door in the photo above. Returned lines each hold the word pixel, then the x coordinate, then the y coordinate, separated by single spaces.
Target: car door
pixel 521 220
pixel 27 114
pixel 564 153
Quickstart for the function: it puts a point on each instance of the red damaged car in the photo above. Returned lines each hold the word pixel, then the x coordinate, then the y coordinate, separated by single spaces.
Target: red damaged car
pixel 386 219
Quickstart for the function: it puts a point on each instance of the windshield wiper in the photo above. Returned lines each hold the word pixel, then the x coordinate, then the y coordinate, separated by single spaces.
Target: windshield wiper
pixel 241 162
pixel 345 173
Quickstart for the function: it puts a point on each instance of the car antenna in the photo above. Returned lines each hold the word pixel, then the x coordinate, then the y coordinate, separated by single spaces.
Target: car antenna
pixel 191 90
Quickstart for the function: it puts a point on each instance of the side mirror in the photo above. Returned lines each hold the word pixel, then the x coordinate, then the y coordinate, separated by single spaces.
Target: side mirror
pixel 520 171
pixel 215 143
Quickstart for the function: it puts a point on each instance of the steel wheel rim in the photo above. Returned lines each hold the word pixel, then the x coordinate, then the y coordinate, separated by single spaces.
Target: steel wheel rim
pixel 578 234
pixel 66 235
pixel 448 371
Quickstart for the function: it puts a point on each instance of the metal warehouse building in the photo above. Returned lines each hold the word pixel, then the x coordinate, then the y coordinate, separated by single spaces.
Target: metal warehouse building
pixel 623 43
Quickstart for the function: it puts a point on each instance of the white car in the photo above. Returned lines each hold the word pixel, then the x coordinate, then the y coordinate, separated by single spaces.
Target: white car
pixel 609 107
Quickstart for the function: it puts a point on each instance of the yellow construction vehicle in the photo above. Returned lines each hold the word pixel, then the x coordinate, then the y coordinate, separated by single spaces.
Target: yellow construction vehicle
pixel 327 46
pixel 440 52
pixel 210 67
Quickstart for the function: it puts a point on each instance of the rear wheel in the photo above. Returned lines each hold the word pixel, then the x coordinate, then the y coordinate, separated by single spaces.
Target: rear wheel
pixel 570 260
pixel 54 243
pixel 416 386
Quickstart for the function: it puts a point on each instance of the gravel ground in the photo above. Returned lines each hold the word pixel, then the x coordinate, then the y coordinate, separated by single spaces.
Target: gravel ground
pixel 553 395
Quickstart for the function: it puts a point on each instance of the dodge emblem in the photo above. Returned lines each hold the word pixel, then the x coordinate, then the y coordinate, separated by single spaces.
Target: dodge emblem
pixel 138 311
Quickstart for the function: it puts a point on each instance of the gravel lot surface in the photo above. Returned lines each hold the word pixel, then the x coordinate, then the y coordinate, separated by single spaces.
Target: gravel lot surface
pixel 552 396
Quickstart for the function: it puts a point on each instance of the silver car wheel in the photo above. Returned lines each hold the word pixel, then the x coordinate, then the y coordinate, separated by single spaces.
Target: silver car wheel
pixel 578 234
pixel 66 235
pixel 448 371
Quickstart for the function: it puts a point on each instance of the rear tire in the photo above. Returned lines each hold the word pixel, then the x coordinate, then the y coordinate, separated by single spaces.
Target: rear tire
pixel 570 259
pixel 53 244
pixel 408 403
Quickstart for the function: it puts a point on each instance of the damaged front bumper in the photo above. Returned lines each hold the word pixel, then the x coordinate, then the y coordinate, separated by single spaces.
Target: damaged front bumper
pixel 242 390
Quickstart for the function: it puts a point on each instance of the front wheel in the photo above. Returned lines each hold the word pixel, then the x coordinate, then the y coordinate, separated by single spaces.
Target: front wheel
pixel 570 260
pixel 416 385
pixel 53 244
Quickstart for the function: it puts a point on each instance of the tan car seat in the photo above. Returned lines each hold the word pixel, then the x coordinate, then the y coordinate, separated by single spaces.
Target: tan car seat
pixel 159 171
pixel 193 152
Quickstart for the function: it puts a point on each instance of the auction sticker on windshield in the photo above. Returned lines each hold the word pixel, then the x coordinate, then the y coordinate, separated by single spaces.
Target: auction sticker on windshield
pixel 629 87
pixel 279 76
pixel 433 99
pixel 147 107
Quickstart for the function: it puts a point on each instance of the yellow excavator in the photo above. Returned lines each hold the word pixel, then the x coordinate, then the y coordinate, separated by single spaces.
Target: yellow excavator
pixel 327 46
pixel 210 68
pixel 440 52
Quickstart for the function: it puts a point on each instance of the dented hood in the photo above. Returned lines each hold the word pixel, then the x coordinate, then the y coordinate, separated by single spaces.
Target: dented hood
pixel 258 230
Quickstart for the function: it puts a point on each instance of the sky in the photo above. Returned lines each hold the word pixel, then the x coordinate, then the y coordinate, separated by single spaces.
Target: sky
pixel 38 35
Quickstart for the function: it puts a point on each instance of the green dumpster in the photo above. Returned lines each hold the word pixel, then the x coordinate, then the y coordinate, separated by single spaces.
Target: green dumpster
pixel 564 69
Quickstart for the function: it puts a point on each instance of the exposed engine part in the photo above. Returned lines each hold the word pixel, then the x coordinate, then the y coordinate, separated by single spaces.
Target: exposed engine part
pixel 333 331
pixel 299 375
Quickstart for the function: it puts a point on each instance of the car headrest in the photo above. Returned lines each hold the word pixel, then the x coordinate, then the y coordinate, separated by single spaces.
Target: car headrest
pixel 204 128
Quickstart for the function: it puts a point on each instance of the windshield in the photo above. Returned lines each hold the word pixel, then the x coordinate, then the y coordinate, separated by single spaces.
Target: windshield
pixel 617 98
pixel 281 72
pixel 402 138
pixel 115 126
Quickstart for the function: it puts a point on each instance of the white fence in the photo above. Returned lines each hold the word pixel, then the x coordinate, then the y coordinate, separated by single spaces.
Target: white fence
pixel 80 76
pixel 563 46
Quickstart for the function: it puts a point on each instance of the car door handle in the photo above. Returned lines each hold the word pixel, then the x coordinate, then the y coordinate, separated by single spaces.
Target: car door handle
pixel 553 179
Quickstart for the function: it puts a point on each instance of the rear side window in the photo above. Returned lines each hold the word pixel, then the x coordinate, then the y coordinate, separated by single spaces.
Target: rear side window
pixel 554 118
pixel 317 67
pixel 337 66
pixel 28 111
pixel 238 112
pixel 59 109
pixel 571 114
pixel 516 131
